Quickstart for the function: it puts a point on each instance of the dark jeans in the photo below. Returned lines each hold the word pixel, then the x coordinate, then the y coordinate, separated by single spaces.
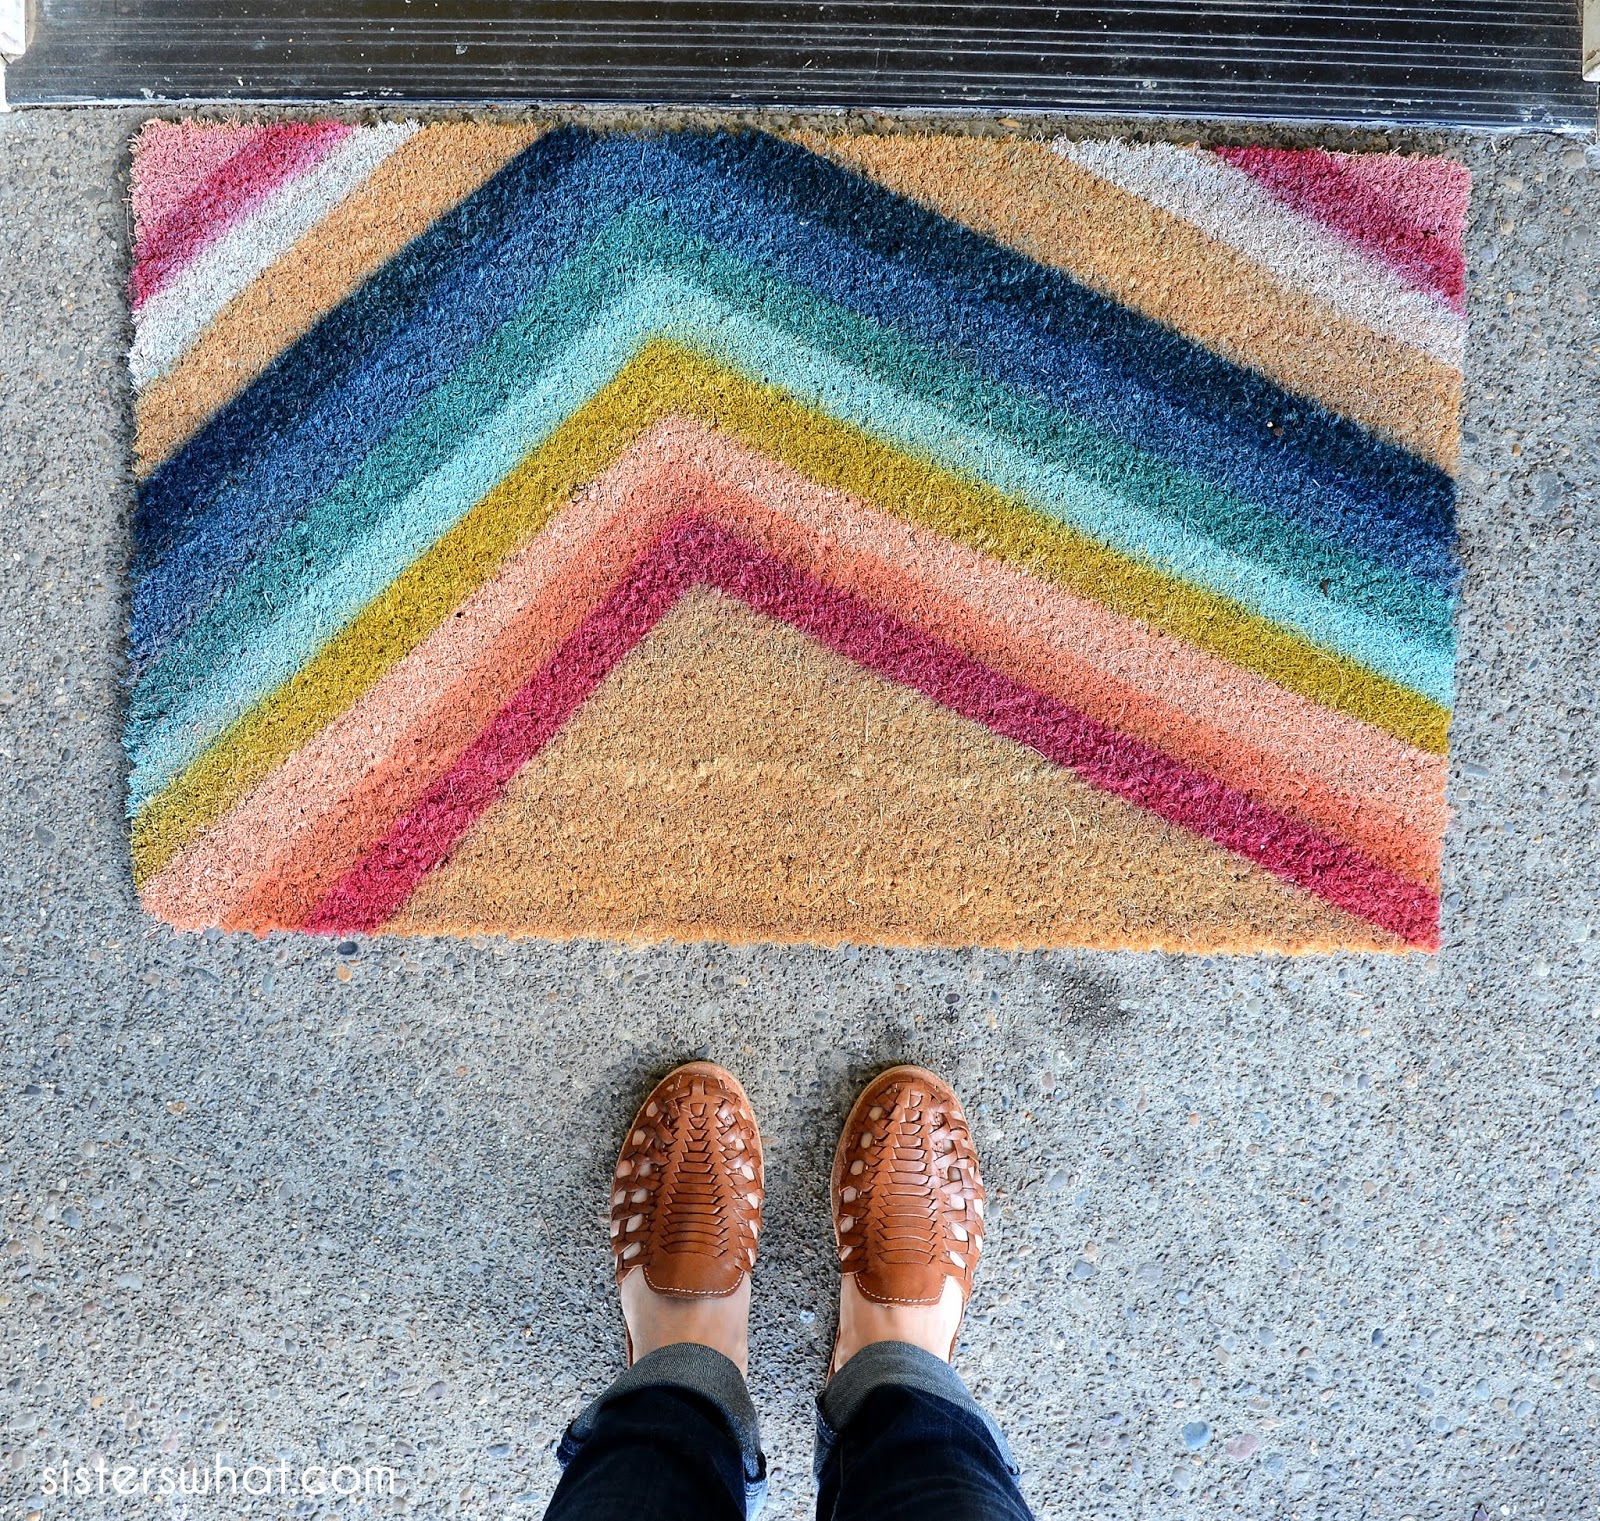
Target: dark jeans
pixel 675 1439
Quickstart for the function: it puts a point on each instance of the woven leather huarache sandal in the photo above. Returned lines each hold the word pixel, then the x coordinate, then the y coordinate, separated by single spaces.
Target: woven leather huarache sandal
pixel 907 1196
pixel 686 1201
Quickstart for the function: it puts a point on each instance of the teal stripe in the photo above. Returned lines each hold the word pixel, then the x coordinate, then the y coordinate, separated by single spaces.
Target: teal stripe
pixel 540 368
pixel 1199 507
pixel 1122 522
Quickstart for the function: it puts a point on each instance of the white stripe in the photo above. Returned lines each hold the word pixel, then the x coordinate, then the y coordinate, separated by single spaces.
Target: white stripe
pixel 172 319
pixel 1228 205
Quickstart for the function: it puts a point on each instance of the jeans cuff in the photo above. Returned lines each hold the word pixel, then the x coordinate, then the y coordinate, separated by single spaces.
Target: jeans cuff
pixel 702 1371
pixel 899 1363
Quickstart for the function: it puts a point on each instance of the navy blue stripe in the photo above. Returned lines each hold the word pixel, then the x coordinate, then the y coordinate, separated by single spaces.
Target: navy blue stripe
pixel 1113 366
pixel 450 263
pixel 338 392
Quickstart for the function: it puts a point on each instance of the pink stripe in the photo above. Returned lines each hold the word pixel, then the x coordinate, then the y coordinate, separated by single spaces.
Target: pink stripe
pixel 171 157
pixel 270 160
pixel 1418 236
pixel 1430 193
pixel 1115 762
pixel 695 549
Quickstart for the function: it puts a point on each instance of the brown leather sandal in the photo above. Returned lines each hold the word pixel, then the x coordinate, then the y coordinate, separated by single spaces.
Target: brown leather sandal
pixel 686 1206
pixel 907 1196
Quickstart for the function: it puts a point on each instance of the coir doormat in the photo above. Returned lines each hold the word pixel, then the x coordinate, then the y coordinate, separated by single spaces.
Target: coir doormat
pixel 882 538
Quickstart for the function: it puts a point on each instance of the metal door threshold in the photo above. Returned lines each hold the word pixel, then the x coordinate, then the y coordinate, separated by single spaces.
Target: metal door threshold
pixel 1482 63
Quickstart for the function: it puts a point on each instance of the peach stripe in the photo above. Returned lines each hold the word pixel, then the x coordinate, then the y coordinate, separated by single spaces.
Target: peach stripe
pixel 431 172
pixel 1027 641
pixel 733 779
pixel 433 744
pixel 410 727
pixel 1343 753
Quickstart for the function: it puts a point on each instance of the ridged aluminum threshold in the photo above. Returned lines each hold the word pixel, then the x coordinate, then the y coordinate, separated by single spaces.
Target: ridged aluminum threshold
pixel 1482 63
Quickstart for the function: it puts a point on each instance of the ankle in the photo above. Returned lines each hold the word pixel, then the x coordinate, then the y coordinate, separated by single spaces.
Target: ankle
pixel 862 1322
pixel 662 1320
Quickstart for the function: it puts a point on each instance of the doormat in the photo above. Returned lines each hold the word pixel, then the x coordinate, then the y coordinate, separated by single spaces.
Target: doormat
pixel 896 539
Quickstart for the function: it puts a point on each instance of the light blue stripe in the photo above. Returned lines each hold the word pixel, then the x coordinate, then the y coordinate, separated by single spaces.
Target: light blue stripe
pixel 661 305
pixel 368 564
pixel 922 430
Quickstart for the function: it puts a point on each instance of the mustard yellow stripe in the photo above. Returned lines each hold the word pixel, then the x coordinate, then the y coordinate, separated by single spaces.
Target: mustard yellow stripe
pixel 428 174
pixel 665 378
pixel 1027 196
pixel 395 621
pixel 835 454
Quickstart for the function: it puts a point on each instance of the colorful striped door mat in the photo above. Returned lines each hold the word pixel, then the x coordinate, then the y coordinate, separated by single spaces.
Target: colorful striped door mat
pixel 894 539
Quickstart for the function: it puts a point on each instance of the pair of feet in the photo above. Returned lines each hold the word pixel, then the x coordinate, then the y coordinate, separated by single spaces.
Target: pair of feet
pixel 686 1206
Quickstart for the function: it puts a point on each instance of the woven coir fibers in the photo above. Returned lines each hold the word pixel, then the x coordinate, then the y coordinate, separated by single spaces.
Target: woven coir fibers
pixel 906 539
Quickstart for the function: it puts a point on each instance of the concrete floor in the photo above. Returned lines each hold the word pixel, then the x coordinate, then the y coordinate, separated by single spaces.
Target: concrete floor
pixel 263 1199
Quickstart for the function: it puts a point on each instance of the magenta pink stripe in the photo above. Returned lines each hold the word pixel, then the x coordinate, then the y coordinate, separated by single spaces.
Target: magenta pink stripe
pixel 375 887
pixel 694 549
pixel 232 189
pixel 171 157
pixel 1419 236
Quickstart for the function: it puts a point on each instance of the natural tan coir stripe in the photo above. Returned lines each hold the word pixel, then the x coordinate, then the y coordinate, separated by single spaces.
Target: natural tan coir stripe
pixel 732 780
pixel 1030 198
pixel 412 188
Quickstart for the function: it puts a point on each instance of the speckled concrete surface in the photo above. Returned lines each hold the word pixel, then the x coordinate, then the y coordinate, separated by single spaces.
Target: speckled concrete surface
pixel 267 1199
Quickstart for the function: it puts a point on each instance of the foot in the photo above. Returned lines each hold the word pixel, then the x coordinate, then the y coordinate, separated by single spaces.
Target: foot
pixel 907 1215
pixel 686 1214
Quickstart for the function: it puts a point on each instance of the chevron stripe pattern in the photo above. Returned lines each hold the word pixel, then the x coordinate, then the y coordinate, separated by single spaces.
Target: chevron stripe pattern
pixel 901 539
